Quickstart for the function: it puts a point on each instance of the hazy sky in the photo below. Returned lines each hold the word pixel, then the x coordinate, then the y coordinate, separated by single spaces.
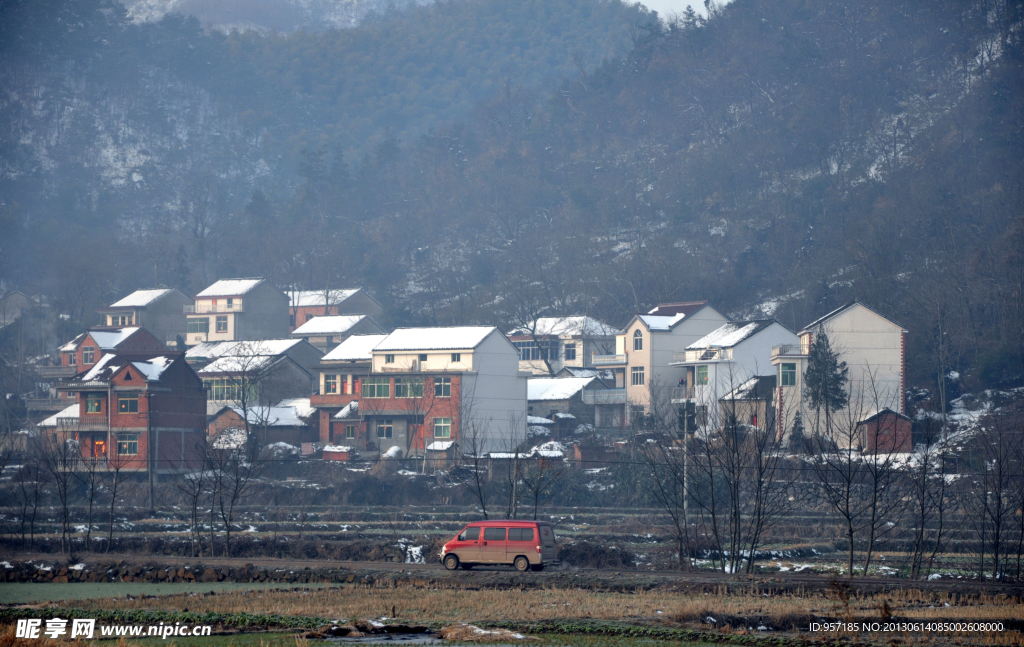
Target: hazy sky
pixel 665 8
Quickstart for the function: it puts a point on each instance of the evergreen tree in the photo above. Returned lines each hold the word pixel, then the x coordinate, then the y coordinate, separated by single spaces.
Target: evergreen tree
pixel 826 377
pixel 797 441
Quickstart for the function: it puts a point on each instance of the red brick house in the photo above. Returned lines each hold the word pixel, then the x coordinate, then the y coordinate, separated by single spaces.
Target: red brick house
pixel 339 381
pixel 136 410
pixel 885 432
pixel 304 305
pixel 86 349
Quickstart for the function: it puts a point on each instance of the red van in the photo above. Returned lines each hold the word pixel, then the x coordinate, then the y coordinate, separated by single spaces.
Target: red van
pixel 523 544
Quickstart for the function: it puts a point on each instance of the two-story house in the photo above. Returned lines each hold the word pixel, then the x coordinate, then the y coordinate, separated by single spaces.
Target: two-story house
pixel 262 371
pixel 341 372
pixel 564 401
pixel 306 304
pixel 136 411
pixel 721 361
pixel 647 347
pixel 327 331
pixel 874 349
pixel 85 350
pixel 233 309
pixel 549 344
pixel 159 310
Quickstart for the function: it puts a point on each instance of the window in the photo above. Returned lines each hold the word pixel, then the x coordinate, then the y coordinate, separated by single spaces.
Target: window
pixel 533 350
pixel 330 384
pixel 231 304
pixel 350 432
pixel 456 357
pixel 88 354
pixel 93 403
pixel 787 375
pixel 222 324
pixel 570 351
pixel 198 324
pixel 423 357
pixel 442 427
pixel 637 375
pixel 308 317
pixel 389 359
pixel 470 534
pixel 416 420
pixel 520 534
pixel 408 387
pixel 72 360
pixel 227 389
pixel 127 444
pixel 494 534
pixel 638 340
pixel 385 429
pixel 377 387
pixel 702 375
pixel 291 320
pixel 128 403
pixel 442 387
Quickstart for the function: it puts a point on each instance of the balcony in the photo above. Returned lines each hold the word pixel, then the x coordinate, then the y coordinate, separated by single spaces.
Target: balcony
pixel 607 360
pixel 703 355
pixel 212 308
pixel 57 372
pixel 681 393
pixel 605 396
pixel 49 405
pixel 788 350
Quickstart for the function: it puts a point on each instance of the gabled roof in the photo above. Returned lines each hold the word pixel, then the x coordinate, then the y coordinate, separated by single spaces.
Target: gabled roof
pixel 150 365
pixel 355 348
pixel 684 308
pixel 441 338
pixel 577 326
pixel 350 410
pixel 241 348
pixel 731 334
pixel 759 387
pixel 234 364
pixel 141 298
pixel 69 413
pixel 313 298
pixel 276 416
pixel 105 338
pixel 660 323
pixel 230 288
pixel 576 371
pixel 883 411
pixel 818 322
pixel 555 388
pixel 328 325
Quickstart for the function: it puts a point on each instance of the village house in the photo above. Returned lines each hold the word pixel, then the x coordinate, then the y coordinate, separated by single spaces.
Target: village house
pixel 86 349
pixel 340 375
pixel 136 411
pixel 751 403
pixel 327 331
pixel 647 347
pixel 564 401
pixel 885 432
pixel 874 349
pixel 549 344
pixel 287 422
pixel 236 309
pixel 159 310
pixel 306 304
pixel 719 362
pixel 259 371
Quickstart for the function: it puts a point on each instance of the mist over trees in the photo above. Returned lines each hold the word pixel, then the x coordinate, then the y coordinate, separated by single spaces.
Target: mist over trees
pixel 778 158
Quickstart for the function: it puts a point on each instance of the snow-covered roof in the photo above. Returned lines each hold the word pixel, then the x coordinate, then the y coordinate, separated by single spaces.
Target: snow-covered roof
pixel 337 448
pixel 507 455
pixel 98 368
pixel 576 371
pixel 440 445
pixel 550 449
pixel 561 415
pixel 328 325
pixel 536 420
pixel 215 349
pixel 882 411
pixel 153 368
pixel 661 323
pixel 350 410
pixel 442 338
pixel 355 348
pixel 54 420
pixel 555 388
pixel 140 298
pixel 302 407
pixel 230 288
pixel 758 387
pixel 105 339
pixel 835 312
pixel 234 364
pixel 272 416
pixel 577 326
pixel 730 334
pixel 73 344
pixel 685 308
pixel 312 298
pixel 394 452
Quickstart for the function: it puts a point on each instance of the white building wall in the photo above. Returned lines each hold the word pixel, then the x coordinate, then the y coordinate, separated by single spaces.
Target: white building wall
pixel 494 396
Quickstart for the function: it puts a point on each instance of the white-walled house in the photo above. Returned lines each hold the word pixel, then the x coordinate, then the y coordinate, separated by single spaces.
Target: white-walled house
pixel 158 310
pixel 874 349
pixel 561 342
pixel 233 309
pixel 716 364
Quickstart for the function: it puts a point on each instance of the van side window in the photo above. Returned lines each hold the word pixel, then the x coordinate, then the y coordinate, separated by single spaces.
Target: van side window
pixel 470 534
pixel 520 534
pixel 494 534
pixel 545 532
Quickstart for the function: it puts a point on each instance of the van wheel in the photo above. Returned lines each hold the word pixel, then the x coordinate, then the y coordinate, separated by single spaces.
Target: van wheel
pixel 521 563
pixel 451 562
pixel 537 567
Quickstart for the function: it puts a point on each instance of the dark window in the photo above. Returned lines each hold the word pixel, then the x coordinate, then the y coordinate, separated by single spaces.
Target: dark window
pixel 520 534
pixel 198 324
pixel 788 375
pixel 545 532
pixel 570 351
pixel 423 357
pixel 470 534
pixel 93 404
pixel 494 534
pixel 291 320
pixel 127 404
pixel 88 354
pixel 638 340
pixel 385 429
pixel 456 357
pixel 222 324
pixel 442 387
pixel 350 432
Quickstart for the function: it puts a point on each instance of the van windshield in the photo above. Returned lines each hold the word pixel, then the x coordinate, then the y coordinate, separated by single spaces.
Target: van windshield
pixel 470 534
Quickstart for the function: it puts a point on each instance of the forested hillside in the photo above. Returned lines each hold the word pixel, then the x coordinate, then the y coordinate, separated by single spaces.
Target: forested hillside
pixel 779 158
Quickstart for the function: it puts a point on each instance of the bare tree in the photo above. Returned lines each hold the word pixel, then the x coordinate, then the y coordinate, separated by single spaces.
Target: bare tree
pixel 473 445
pixel 192 485
pixel 115 466
pixel 540 474
pixel 515 436
pixel 61 456
pixel 30 480
pixel 237 470
pixel 90 475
